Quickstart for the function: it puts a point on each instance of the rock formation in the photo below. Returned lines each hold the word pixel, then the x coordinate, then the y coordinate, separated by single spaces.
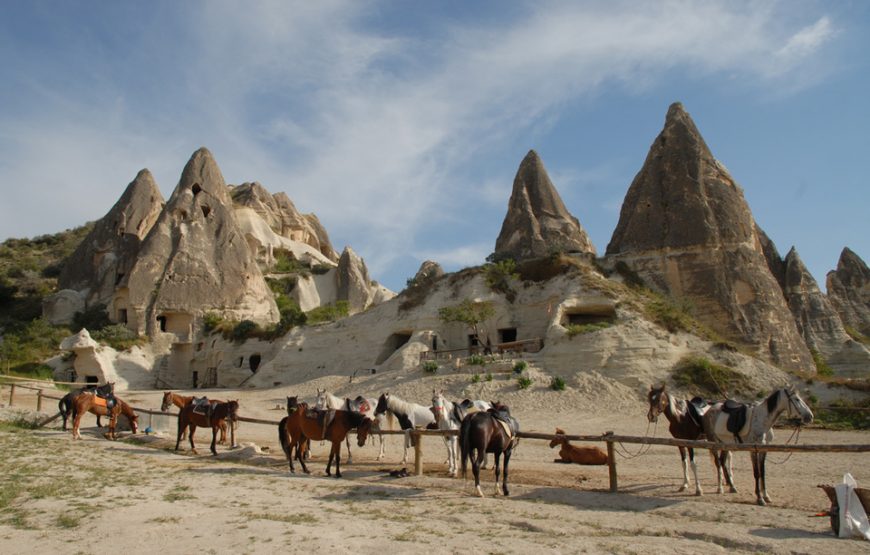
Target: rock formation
pixel 354 285
pixel 537 222
pixel 687 230
pixel 279 212
pixel 849 291
pixel 109 250
pixel 195 260
pixel 429 271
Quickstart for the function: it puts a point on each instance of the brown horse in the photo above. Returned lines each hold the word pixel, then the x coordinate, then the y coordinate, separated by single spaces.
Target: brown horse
pixel 578 455
pixel 88 402
pixel 64 406
pixel 170 398
pixel 494 431
pixel 219 414
pixel 295 429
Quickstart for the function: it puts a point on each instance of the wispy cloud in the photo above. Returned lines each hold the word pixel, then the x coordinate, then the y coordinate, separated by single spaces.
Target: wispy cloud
pixel 373 130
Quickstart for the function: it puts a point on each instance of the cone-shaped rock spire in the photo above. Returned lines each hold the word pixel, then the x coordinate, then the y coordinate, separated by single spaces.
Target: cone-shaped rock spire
pixel 687 230
pixel 849 291
pixel 537 222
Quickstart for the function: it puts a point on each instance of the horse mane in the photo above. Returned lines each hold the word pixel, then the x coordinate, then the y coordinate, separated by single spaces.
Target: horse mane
pixel 396 405
pixel 773 400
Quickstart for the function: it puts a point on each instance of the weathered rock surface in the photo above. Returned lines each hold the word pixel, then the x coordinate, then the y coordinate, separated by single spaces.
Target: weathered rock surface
pixel 430 271
pixel 687 230
pixel 195 260
pixel 849 291
pixel 354 285
pixel 279 212
pixel 537 222
pixel 109 250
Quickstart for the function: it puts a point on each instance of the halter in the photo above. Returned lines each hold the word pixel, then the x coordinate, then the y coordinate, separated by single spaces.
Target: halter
pixel 791 404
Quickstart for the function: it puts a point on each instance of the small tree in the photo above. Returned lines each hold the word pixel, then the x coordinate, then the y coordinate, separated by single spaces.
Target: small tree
pixel 472 314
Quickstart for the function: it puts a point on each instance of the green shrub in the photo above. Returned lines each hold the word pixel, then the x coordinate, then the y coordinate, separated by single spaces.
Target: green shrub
pixel 629 276
pixel 475 378
pixel 673 317
pixel 519 366
pixel 477 360
pixel 94 318
pixel 328 313
pixel 244 330
pixel 822 366
pixel 524 382
pixel 321 269
pixel 498 276
pixel 843 414
pixel 857 335
pixel 118 337
pixel 709 378
pixel 488 376
pixel 557 384
pixel 580 329
pixel 211 321
pixel 430 366
pixel 286 263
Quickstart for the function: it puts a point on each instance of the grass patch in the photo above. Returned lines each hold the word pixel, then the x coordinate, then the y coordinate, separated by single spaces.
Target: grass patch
pixel 177 494
pixel 822 366
pixel 475 378
pixel 475 360
pixel 557 384
pixel 430 366
pixel 580 329
pixel 857 335
pixel 708 378
pixel 843 414
pixel 328 313
pixel 524 382
pixel 293 518
pixel 67 521
pixel 519 366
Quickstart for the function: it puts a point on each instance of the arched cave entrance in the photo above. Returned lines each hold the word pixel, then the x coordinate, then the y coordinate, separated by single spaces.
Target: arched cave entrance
pixel 393 344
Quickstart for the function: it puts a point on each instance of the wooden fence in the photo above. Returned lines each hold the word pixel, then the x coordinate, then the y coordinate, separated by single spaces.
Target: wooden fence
pixel 609 438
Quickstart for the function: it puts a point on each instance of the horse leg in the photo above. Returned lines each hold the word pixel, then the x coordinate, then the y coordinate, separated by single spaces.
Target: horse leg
pixel 77 420
pixel 475 468
pixel 496 468
pixel 698 490
pixel 451 455
pixel 190 432
pixel 336 446
pixel 756 474
pixel 507 458
pixel 717 461
pixel 761 462
pixel 685 469
pixel 349 456
pixel 407 444
pixel 383 446
pixel 305 444
pixel 223 427
pixel 214 431
pixel 731 487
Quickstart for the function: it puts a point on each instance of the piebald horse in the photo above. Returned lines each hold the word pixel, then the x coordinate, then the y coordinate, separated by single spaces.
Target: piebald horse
pixel 410 416
pixel 760 418
pixel 362 405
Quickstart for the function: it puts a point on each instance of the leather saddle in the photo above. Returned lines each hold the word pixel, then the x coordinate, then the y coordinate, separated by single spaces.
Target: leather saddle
pixel 201 405
pixel 737 412
pixel 512 427
pixel 696 408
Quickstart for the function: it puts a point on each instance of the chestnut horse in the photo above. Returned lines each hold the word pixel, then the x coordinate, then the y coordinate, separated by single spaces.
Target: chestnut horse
pixel 590 455
pixel 88 402
pixel 485 432
pixel 298 427
pixel 64 406
pixel 170 398
pixel 220 413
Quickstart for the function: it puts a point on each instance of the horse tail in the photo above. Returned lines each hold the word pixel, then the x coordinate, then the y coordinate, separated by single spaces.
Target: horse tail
pixel 283 436
pixel 465 445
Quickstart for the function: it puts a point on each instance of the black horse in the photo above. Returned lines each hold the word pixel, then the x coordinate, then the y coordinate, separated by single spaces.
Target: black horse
pixel 64 406
pixel 494 431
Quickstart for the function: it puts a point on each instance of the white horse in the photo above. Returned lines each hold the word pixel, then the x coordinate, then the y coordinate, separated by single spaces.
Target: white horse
pixel 760 418
pixel 327 401
pixel 410 416
pixel 449 416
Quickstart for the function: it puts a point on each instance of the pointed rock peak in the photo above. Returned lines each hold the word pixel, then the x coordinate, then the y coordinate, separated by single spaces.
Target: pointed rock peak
pixel 848 259
pixel 201 173
pixel 793 257
pixel 680 131
pixel 795 269
pixel 537 222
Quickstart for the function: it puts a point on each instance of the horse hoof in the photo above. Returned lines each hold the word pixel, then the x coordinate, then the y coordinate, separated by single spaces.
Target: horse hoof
pixel 480 492
pixel 683 488
pixel 338 475
pixel 698 493
pixel 761 502
pixel 767 499
pixel 732 490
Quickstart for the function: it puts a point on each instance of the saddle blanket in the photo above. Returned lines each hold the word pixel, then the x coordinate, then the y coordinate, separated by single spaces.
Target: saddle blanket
pixel 506 427
pixel 99 401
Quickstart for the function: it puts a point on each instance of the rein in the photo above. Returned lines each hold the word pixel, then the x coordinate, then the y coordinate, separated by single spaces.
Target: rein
pixel 644 448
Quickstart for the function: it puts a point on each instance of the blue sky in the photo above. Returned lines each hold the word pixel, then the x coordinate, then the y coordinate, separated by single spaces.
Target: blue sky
pixel 402 124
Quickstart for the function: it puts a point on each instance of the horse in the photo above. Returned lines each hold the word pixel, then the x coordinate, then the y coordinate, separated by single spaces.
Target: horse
pixel 449 416
pixel 87 402
pixel 494 431
pixel 409 415
pixel 731 422
pixel 328 401
pixel 64 406
pixel 683 424
pixel 188 419
pixel 170 398
pixel 577 455
pixel 297 427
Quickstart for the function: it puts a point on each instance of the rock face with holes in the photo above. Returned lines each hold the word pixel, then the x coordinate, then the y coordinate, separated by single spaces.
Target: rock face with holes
pixel 849 291
pixel 195 260
pixel 103 258
pixel 686 229
pixel 537 223
pixel 282 217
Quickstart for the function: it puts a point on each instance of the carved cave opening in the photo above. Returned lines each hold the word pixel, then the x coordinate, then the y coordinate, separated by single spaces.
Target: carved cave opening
pixel 393 343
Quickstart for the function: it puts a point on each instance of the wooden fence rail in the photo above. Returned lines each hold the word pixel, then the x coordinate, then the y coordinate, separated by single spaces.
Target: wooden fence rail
pixel 609 438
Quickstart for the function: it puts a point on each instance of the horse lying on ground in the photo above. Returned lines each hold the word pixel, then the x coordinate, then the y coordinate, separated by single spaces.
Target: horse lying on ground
pixel 732 422
pixel 296 428
pixel 87 402
pixel 170 398
pixel 578 455
pixel 64 406
pixel 494 431
pixel 219 413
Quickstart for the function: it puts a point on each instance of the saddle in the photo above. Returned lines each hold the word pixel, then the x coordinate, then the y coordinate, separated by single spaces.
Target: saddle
pixel 360 405
pixel 736 412
pixel 508 422
pixel 106 400
pixel 323 417
pixel 201 405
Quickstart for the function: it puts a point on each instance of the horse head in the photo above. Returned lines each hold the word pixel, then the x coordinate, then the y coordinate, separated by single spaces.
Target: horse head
pixel 321 399
pixel 232 410
pixel 383 401
pixel 134 423
pixel 797 403
pixel 292 404
pixel 658 401
pixel 363 430
pixel 557 440
pixel 167 401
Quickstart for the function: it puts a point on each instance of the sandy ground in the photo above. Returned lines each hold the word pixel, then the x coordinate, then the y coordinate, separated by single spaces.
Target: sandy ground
pixel 61 495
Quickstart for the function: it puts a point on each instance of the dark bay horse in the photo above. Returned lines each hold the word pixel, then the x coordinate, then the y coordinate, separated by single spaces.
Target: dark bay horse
pixel 683 424
pixel 494 431
pixel 87 402
pixel 299 427
pixel 65 405
pixel 170 398
pixel 220 412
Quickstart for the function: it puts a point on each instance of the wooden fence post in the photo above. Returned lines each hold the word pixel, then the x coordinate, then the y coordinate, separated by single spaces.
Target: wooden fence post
pixel 38 400
pixel 611 464
pixel 11 394
pixel 418 453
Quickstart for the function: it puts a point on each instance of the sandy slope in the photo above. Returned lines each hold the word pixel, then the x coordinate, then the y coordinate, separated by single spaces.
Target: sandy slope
pixel 153 500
